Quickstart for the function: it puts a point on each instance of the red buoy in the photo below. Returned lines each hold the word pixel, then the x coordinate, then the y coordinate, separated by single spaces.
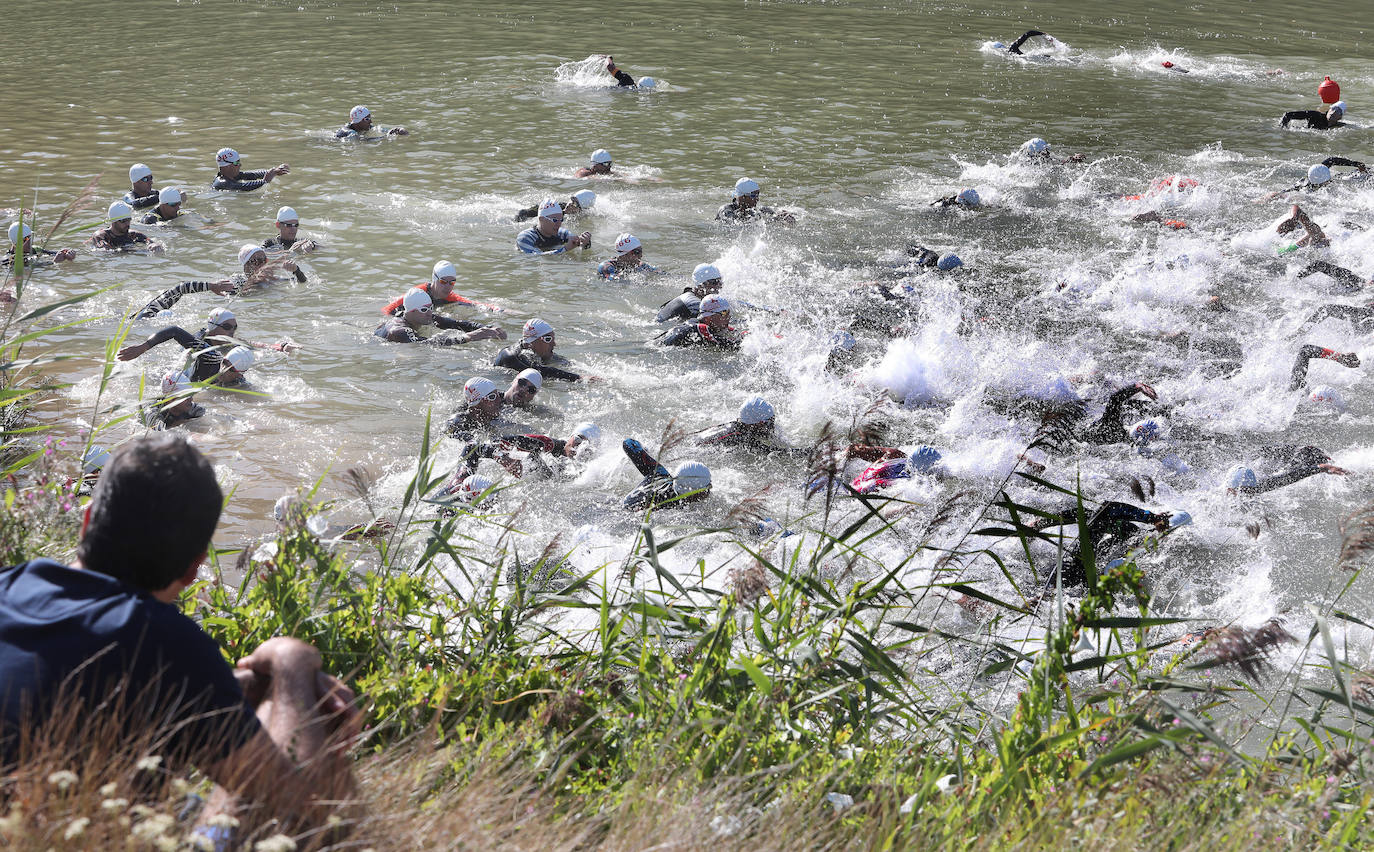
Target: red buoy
pixel 1329 91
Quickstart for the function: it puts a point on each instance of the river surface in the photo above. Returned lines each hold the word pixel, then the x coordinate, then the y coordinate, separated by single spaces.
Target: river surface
pixel 852 114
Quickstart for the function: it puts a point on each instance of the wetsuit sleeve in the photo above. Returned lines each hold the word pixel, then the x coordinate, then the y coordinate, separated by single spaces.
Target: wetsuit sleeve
pixel 680 335
pixel 451 324
pixel 549 371
pixel 607 270
pixel 345 133
pixel 1350 282
pixel 526 213
pixel 1362 317
pixel 180 335
pixel 1342 161
pixel 684 307
pixel 300 275
pixel 1306 353
pixel 527 243
pixel 171 297
pixel 138 202
pixel 646 464
pixel 512 359
pixel 1315 120
pixel 402 333
pixel 1283 478
pixel 1107 429
pixel 623 79
pixel 727 213
pixel 1015 47
pixel 534 443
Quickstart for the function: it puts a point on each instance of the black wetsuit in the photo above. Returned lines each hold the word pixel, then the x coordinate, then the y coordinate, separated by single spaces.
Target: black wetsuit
pixel 171 297
pixel 36 257
pixel 138 202
pixel 279 243
pixel 738 436
pixel 655 490
pixel 1361 316
pixel 1298 463
pixel 517 359
pixel 526 213
pixel 396 330
pixel 535 445
pixel 700 334
pixel 623 79
pixel 1108 429
pixel 1306 353
pixel 684 307
pixel 153 217
pixel 1112 530
pixel 244 181
pixel 1349 282
pixel 1316 119
pixel 159 418
pixel 1015 47
pixel 209 356
pixel 733 212
pixel 108 239
pixel 467 424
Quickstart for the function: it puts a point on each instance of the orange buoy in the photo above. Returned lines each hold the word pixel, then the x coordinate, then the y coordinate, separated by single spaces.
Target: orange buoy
pixel 1329 91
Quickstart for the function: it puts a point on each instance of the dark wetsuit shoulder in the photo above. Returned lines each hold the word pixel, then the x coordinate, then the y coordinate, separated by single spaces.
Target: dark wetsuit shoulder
pixel 138 202
pixel 623 79
pixel 396 330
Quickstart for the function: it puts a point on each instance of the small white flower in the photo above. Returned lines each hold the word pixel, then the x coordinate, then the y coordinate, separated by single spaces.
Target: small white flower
pixel 76 828
pixel 149 763
pixel 199 841
pixel 62 779
pixel 223 821
pixel 114 804
pixel 109 789
pixel 275 843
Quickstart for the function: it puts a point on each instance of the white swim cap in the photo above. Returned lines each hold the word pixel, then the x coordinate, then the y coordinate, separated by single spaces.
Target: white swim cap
pixel 1338 107
pixel 548 208
pixel 358 113
pixel 968 197
pixel 532 376
pixel 646 82
pixel 585 198
pixel 744 186
pixel 588 432
pixel 15 227
pixel 474 487
pixel 240 358
pixel 1034 147
pixel 95 459
pixel 415 299
pixel 925 459
pixel 1241 477
pixel 712 305
pixel 119 210
pixel 626 243
pixel 287 214
pixel 948 262
pixel 1328 397
pixel 247 251
pixel 226 157
pixel 755 411
pixel 175 382
pixel 601 155
pixel 705 272
pixel 443 269
pixel 691 476
pixel 477 389
pixel 139 171
pixel 534 328
pixel 169 195
pixel 219 316
pixel 1318 175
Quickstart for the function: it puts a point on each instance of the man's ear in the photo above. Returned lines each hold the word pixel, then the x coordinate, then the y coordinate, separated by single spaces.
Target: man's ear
pixel 193 570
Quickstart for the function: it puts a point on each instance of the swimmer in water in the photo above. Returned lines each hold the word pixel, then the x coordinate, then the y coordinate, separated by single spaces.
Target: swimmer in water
pixel 168 207
pixel 141 194
pixel 1113 529
pixel 118 235
pixel 176 406
pixel 523 387
pixel 706 279
pixel 256 272
pixel 628 260
pixel 208 344
pixel 744 206
pixel 482 405
pixel 545 457
pixel 966 199
pixel 892 465
pixel 233 371
pixel 288 234
pixel 621 78
pixel 32 256
pixel 690 482
pixel 1298 218
pixel 1296 463
pixel 1319 176
pixel 1361 316
pixel 442 280
pixel 754 430
pixel 580 201
pixel 232 177
pixel 535 350
pixel 417 311
pixel 360 122
pixel 1037 151
pixel 1306 352
pixel 1015 47
pixel 711 328
pixel 548 236
pixel 1348 281
pixel 600 165
pixel 1317 119
pixel 1110 427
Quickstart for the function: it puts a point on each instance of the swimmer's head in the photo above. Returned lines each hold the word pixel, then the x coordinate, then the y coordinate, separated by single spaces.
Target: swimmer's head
pixel 175 382
pixel 1241 478
pixel 474 487
pixel 1318 174
pixel 170 196
pixel 925 459
pixel 1336 112
pixel 550 211
pixel 692 478
pixel 601 161
pixel 628 244
pixel 585 199
pixel 1036 147
pixel 948 262
pixel 1328 398
pixel 646 83
pixel 756 412
pixel 18 228
pixel 442 279
pixel 139 173
pixel 118 212
pixel 222 320
pixel 585 437
pixel 287 222
pixel 481 393
pixel 252 257
pixel 418 307
pixel 707 278
pixel 227 159
pixel 236 363
pixel 537 335
pixel 714 310
pixel 746 192
pixel 360 118
pixel 524 386
pixel 968 198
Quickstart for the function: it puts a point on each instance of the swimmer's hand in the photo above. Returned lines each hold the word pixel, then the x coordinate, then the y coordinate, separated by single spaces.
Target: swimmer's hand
pixel 304 246
pixel 284 168
pixel 129 353
pixel 1161 520
pixel 1332 469
pixel 1348 359
pixel 487 333
pixel 223 288
pixel 64 255
pixel 1141 387
pixel 289 265
pixel 1076 158
pixel 582 240
pixel 784 216
pixel 398 131
pixel 592 380
pixel 286 346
